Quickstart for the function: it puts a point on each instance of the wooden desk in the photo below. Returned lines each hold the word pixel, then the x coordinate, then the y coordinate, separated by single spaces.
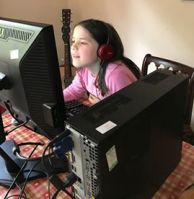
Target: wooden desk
pixel 179 179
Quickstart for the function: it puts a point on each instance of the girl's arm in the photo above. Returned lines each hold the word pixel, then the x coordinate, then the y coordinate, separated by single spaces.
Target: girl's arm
pixel 76 89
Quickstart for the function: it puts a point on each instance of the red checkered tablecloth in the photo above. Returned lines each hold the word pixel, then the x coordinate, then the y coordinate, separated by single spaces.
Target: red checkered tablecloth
pixel 181 177
pixel 36 189
pixel 178 180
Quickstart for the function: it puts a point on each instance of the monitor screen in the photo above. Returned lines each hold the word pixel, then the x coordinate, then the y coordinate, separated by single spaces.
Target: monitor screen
pixel 29 73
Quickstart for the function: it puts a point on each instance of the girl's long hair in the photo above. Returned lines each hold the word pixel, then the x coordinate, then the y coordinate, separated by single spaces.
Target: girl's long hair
pixel 104 33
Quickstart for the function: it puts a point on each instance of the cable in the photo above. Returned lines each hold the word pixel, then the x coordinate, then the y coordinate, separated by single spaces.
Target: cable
pixel 24 196
pixel 70 179
pixel 10 110
pixel 16 196
pixel 56 139
pixel 21 169
pixel 32 169
pixel 20 125
pixel 8 125
pixel 25 182
pixel 17 186
pixel 49 189
pixel 21 189
pixel 64 145
pixel 16 149
pixel 54 179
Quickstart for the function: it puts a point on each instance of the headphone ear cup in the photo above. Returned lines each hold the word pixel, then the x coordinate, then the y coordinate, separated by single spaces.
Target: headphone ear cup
pixel 105 52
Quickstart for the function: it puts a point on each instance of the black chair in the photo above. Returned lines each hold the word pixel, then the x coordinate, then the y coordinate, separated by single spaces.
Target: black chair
pixel 188 134
pixel 132 66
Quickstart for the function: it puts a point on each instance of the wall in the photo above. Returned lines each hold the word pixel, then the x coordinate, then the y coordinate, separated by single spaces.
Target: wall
pixel 163 28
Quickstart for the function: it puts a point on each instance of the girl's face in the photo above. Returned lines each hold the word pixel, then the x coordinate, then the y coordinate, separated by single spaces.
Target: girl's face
pixel 84 48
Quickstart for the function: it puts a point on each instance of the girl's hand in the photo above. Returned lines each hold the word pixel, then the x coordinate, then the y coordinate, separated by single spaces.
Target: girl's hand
pixel 93 99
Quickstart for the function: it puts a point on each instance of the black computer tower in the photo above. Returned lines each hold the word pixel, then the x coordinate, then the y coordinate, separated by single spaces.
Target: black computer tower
pixel 126 145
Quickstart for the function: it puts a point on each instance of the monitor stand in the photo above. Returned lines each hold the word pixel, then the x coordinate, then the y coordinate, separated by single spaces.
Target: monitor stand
pixel 10 165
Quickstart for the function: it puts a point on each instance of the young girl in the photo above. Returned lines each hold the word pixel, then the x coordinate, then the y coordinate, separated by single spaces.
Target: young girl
pixel 97 53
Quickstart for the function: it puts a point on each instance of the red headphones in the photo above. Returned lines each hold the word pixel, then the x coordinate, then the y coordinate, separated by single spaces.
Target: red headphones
pixel 105 51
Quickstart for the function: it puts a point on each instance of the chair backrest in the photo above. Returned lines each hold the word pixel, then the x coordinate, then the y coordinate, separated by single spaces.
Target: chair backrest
pixel 132 66
pixel 176 68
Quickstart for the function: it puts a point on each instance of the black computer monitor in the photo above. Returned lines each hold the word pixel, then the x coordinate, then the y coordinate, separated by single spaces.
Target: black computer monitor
pixel 30 78
pixel 33 90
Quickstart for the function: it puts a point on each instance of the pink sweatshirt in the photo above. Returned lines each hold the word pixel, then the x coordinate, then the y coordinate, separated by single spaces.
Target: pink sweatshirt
pixel 117 77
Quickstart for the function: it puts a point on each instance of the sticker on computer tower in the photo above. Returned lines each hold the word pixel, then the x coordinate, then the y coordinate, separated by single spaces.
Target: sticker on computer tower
pixel 106 127
pixel 111 157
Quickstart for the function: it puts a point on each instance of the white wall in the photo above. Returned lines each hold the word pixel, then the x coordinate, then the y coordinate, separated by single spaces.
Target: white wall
pixel 164 28
pixel 161 27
